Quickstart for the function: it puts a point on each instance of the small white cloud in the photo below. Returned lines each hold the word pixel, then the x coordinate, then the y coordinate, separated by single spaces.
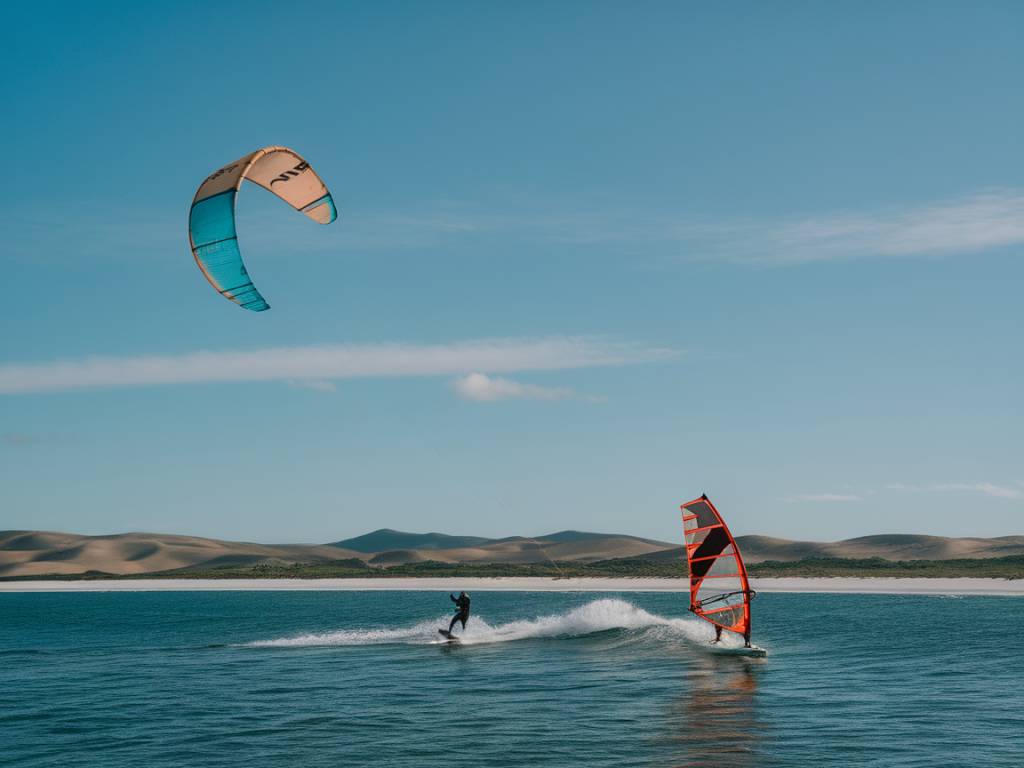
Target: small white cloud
pixel 798 498
pixel 481 388
pixel 988 489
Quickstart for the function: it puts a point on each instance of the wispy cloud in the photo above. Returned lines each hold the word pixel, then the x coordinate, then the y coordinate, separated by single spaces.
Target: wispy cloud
pixel 327 362
pixel 317 385
pixel 1013 491
pixel 18 438
pixel 798 498
pixel 482 388
pixel 24 439
pixel 967 225
pixel 91 231
pixel 988 489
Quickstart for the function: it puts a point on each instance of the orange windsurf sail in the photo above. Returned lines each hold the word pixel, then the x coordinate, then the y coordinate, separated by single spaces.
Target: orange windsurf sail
pixel 719 590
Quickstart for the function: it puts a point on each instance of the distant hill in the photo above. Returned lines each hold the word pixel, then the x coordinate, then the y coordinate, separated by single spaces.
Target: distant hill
pixel 40 553
pixel 385 538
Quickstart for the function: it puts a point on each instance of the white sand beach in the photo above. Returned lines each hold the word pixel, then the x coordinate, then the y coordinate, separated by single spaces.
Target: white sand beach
pixel 892 586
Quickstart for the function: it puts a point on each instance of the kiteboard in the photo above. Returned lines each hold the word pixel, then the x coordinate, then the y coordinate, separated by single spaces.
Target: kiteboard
pixel 448 636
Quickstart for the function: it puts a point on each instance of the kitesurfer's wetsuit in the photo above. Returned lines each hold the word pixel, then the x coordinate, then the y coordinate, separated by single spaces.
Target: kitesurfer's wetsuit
pixel 462 614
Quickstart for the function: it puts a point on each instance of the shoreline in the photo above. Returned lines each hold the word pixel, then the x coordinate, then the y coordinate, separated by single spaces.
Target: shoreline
pixel 823 585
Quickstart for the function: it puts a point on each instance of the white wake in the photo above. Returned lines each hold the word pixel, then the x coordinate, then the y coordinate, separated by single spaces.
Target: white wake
pixel 597 616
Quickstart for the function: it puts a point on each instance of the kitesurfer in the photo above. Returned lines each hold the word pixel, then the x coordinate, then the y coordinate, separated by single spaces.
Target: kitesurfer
pixel 461 610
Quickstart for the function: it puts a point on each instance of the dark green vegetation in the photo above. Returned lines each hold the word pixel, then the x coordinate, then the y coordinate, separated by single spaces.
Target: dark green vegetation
pixel 1011 567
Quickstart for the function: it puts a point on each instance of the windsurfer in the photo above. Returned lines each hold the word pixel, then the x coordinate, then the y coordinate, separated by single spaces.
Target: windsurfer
pixel 461 612
pixel 712 553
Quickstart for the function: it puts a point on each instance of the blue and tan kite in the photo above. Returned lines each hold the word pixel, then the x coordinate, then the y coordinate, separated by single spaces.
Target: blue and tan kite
pixel 211 222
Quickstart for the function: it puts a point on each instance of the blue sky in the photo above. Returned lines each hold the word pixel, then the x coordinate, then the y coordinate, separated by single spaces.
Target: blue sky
pixel 592 259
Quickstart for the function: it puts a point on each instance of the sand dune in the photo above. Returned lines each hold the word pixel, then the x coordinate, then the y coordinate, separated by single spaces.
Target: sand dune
pixel 43 553
pixel 37 553
pixel 888 546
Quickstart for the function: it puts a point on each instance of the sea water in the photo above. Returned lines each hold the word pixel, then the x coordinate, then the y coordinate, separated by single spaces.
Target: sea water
pixel 541 679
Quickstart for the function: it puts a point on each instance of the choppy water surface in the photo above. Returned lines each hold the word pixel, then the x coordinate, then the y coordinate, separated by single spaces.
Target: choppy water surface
pixel 543 679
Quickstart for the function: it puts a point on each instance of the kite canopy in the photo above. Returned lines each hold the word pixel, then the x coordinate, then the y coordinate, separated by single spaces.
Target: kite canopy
pixel 211 222
pixel 719 590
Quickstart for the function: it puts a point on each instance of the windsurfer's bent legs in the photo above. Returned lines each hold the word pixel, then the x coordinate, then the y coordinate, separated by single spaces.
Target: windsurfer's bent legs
pixel 746 639
pixel 458 617
pixel 718 633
